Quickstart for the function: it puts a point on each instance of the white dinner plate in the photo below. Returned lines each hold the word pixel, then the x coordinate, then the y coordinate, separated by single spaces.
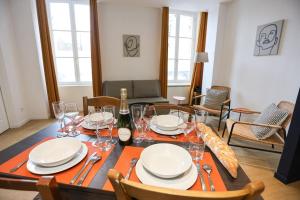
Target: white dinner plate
pixel 36 169
pixel 55 152
pixel 163 132
pixel 183 182
pixel 167 122
pixel 85 123
pixel 166 160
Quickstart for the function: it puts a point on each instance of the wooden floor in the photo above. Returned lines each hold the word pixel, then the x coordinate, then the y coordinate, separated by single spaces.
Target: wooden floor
pixel 257 165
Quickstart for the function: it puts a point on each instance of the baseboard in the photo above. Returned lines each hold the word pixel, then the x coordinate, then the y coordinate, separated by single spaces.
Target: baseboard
pixel 19 124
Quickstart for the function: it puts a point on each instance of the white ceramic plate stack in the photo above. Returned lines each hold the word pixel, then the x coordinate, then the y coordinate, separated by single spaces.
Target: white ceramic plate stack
pixel 56 155
pixel 96 117
pixel 166 124
pixel 166 165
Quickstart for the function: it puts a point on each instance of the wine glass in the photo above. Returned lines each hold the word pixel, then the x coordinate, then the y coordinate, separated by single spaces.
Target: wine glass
pixel 97 119
pixel 187 126
pixel 59 112
pixel 71 112
pixel 110 122
pixel 200 120
pixel 137 117
pixel 148 113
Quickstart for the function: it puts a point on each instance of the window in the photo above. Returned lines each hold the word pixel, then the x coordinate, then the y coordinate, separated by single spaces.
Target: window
pixel 182 29
pixel 69 24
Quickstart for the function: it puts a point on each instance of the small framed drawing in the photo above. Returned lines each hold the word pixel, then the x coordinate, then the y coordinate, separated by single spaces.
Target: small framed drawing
pixel 268 38
pixel 131 45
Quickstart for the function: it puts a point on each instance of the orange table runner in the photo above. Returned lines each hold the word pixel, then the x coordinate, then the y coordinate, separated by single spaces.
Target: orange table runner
pixel 152 134
pixel 62 177
pixel 130 152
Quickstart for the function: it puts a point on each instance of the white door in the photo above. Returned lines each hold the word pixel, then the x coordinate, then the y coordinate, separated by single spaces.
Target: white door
pixel 3 118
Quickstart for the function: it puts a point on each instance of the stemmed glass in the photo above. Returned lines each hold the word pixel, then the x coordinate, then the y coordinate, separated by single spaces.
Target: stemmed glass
pixel 188 125
pixel 148 113
pixel 71 112
pixel 137 117
pixel 97 119
pixel 110 122
pixel 200 119
pixel 59 112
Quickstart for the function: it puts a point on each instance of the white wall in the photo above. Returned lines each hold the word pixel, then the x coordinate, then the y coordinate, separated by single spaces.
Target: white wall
pixel 211 34
pixel 257 81
pixel 118 19
pixel 74 94
pixel 21 79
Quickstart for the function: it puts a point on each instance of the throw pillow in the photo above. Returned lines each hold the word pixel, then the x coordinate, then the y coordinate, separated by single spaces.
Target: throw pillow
pixel 272 115
pixel 214 98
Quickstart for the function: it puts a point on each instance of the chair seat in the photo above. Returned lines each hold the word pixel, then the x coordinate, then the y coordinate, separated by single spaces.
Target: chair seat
pixel 244 131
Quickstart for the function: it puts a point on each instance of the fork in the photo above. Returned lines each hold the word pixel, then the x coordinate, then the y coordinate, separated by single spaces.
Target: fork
pixel 207 168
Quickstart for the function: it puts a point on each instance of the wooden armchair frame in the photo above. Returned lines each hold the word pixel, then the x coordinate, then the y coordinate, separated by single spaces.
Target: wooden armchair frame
pixel 281 129
pixel 99 101
pixel 129 190
pixel 225 105
pixel 46 186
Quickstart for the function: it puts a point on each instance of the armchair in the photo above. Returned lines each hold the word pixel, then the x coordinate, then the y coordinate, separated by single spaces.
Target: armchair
pixel 242 130
pixel 224 110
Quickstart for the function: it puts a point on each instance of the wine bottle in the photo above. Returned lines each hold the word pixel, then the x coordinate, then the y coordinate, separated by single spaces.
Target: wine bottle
pixel 124 120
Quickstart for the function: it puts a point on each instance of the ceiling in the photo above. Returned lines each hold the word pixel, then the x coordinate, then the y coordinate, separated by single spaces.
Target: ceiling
pixel 188 5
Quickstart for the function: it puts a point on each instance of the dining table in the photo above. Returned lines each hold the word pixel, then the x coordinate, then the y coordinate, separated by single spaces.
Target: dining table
pixel 94 190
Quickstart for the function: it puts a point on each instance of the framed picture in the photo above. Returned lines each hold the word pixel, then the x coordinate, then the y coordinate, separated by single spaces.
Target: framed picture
pixel 268 38
pixel 131 45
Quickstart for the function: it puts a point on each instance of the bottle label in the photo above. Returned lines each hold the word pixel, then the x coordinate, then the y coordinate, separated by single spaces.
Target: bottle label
pixel 124 134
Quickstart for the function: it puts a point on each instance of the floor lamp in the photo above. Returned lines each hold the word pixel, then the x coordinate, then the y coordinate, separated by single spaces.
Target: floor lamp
pixel 201 57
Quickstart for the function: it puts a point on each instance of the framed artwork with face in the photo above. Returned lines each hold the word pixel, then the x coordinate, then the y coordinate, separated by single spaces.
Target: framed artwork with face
pixel 268 38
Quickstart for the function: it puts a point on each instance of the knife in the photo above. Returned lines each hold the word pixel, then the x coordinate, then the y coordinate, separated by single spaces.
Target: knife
pixel 83 167
pixel 201 176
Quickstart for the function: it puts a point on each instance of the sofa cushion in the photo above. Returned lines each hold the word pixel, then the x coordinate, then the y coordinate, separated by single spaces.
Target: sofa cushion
pixel 214 98
pixel 112 88
pixel 148 100
pixel 146 88
pixel 272 115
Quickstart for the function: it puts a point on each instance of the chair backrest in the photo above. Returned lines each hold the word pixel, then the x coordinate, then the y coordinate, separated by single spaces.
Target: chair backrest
pixel 166 106
pixel 288 106
pixel 128 190
pixel 99 101
pixel 46 186
pixel 218 87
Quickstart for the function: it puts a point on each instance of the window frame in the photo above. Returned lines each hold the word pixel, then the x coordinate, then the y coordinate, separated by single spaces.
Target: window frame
pixel 74 32
pixel 193 49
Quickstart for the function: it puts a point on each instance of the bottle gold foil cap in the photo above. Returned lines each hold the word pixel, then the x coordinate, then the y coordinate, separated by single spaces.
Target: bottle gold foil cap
pixel 123 92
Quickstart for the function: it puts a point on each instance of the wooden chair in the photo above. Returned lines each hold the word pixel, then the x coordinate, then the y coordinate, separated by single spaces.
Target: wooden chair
pixel 99 101
pixel 242 129
pixel 46 186
pixel 225 106
pixel 168 107
pixel 128 190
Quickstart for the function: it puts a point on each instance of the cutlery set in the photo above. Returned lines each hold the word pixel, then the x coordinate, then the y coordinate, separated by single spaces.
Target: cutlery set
pixel 90 162
pixel 207 168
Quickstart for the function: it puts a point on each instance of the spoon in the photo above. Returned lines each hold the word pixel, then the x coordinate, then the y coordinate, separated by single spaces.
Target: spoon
pixel 93 161
pixel 207 168
pixel 132 164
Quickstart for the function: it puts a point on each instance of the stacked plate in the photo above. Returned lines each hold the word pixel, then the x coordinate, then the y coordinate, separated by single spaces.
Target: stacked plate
pixel 56 155
pixel 88 120
pixel 166 165
pixel 167 124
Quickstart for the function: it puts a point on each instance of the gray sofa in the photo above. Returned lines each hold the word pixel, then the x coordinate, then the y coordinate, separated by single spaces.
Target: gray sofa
pixel 137 90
